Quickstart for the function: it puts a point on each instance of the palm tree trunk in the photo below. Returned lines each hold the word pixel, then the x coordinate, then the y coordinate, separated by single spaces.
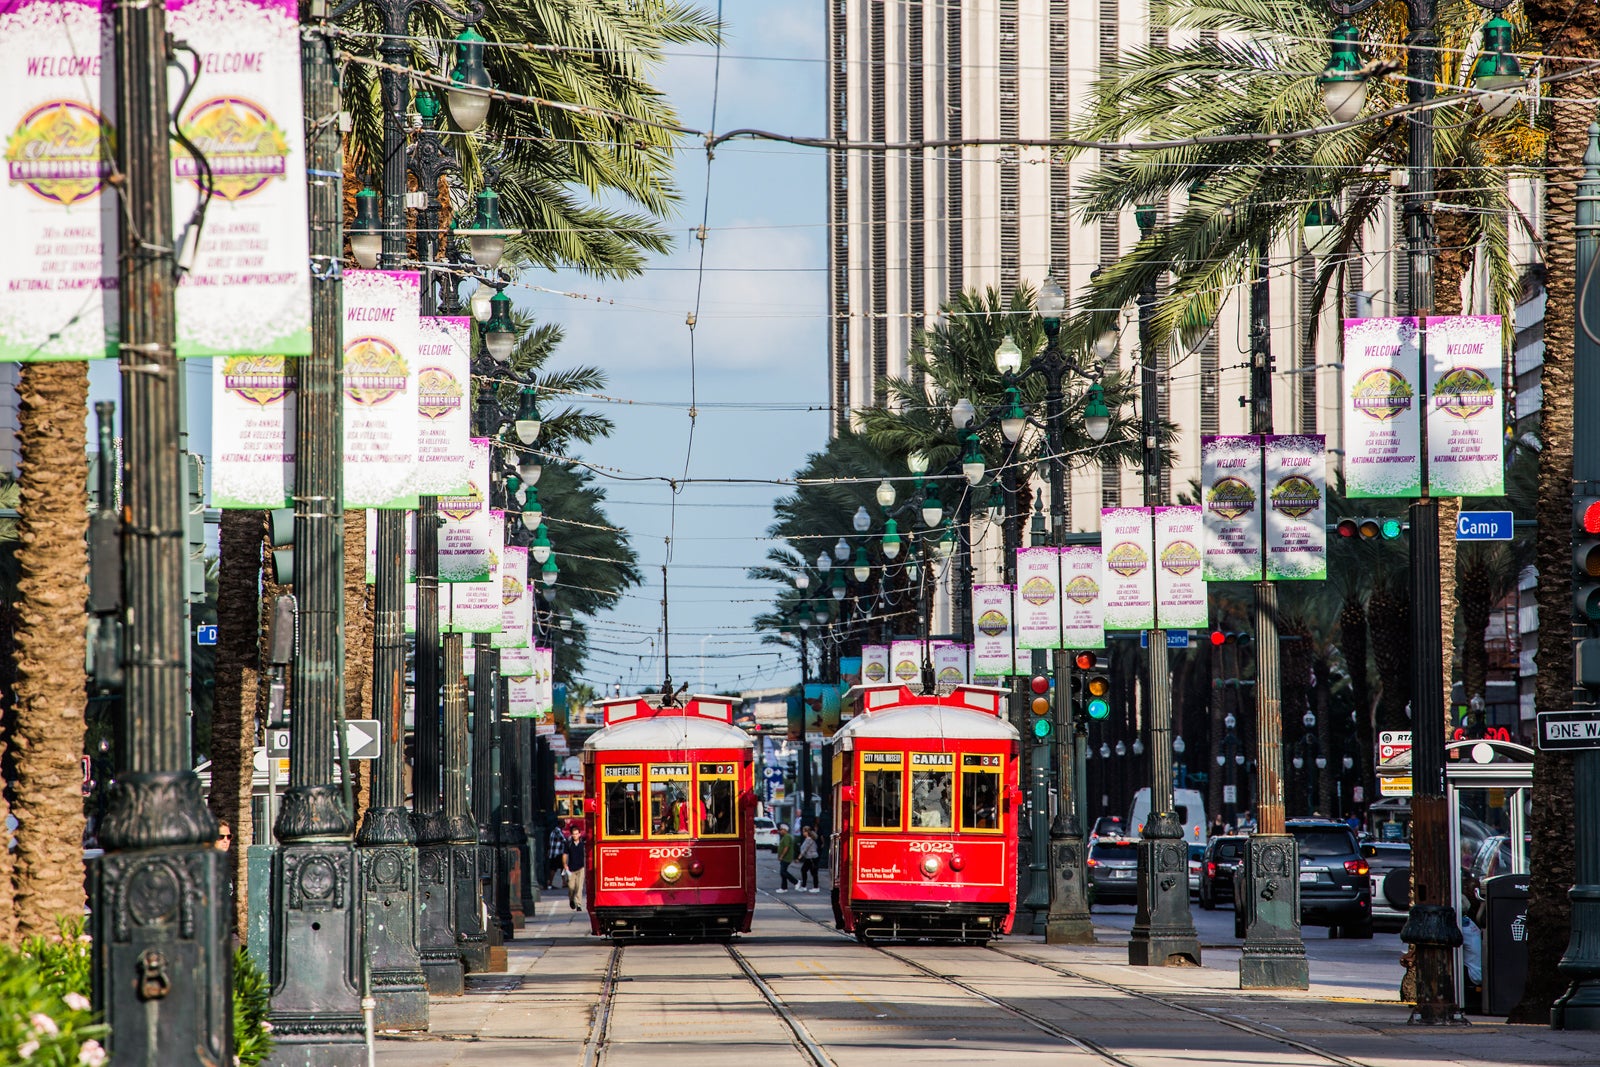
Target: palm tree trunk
pixel 1450 268
pixel 1562 31
pixel 241 539
pixel 1353 647
pixel 357 640
pixel 52 556
pixel 1389 616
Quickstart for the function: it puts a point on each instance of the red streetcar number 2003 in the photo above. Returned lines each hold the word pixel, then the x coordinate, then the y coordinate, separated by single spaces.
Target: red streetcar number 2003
pixel 669 853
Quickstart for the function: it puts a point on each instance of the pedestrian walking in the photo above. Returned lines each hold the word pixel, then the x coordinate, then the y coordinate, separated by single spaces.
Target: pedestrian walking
pixel 786 856
pixel 572 862
pixel 808 859
pixel 555 848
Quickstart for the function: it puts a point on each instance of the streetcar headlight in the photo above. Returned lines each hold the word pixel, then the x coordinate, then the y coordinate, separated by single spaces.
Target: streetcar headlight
pixel 671 872
pixel 930 866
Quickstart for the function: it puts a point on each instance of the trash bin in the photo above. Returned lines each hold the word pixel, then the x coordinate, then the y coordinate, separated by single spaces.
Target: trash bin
pixel 1505 942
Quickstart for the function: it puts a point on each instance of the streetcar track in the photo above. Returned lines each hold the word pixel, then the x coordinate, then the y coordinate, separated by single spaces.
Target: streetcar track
pixel 802 1036
pixel 1085 1043
pixel 594 1048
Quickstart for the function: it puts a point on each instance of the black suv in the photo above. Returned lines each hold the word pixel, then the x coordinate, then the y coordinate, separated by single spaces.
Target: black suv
pixel 1335 880
pixel 1223 855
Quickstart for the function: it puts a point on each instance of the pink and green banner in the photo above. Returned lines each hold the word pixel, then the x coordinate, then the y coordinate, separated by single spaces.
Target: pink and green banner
pixel 1230 475
pixel 874 664
pixel 1297 507
pixel 380 388
pixel 1382 422
pixel 1082 607
pixel 1038 598
pixel 1466 412
pixel 993 643
pixel 1180 584
pixel 515 620
pixel 1129 590
pixel 444 432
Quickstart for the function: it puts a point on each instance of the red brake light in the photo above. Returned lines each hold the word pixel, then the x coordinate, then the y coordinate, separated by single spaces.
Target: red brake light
pixel 1211 869
pixel 1091 863
pixel 1357 867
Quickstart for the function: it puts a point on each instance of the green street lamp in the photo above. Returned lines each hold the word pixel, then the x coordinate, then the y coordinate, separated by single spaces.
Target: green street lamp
pixel 532 512
pixel 469 82
pixel 1321 228
pixel 891 540
pixel 528 421
pixel 366 235
pixel 540 550
pixel 932 509
pixel 836 586
pixel 862 567
pixel 1096 416
pixel 1343 81
pixel 1013 418
pixel 514 489
pixel 972 465
pixel 1496 71
pixel 500 333
pixel 486 237
pixel 549 571
pixel 1144 215
pixel 529 469
pixel 1008 357
pixel 946 545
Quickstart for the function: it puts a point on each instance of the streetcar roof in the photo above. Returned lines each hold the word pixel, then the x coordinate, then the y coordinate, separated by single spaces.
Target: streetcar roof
pixel 667 732
pixel 926 722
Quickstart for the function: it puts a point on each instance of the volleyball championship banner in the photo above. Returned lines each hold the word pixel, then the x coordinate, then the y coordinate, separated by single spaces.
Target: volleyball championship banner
pixel 874 664
pixel 444 430
pixel 1297 507
pixel 1382 426
pixel 544 691
pixel 1082 608
pixel 1129 589
pixel 475 606
pixel 522 695
pixel 950 662
pixel 58 280
pixel 380 388
pixel 993 654
pixel 1466 411
pixel 248 288
pixel 1230 475
pixel 1038 598
pixel 466 536
pixel 252 432
pixel 515 621
pixel 905 661
pixel 1180 587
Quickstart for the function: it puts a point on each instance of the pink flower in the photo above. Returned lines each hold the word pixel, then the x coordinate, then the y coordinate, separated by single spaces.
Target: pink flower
pixel 43 1024
pixel 91 1054
pixel 27 1049
pixel 77 1001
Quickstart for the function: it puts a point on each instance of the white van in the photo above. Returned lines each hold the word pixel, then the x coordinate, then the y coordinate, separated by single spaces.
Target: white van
pixel 1191 813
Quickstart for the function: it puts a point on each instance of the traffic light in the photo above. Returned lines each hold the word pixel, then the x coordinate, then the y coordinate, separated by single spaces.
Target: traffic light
pixel 1586 558
pixel 1093 697
pixel 282 520
pixel 1040 705
pixel 1386 528
pixel 1225 638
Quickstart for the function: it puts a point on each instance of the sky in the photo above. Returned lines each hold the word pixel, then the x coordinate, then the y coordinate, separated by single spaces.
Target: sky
pixel 759 372
pixel 760 343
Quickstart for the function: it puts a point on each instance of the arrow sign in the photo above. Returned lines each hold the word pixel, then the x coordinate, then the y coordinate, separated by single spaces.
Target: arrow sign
pixel 1484 526
pixel 362 735
pixel 1569 730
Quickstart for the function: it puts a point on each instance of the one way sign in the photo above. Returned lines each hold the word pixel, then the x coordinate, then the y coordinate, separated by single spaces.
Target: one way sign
pixel 1569 729
pixel 362 735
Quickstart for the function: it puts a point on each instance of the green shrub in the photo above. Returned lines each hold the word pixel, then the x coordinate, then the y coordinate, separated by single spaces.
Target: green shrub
pixel 252 1002
pixel 45 1018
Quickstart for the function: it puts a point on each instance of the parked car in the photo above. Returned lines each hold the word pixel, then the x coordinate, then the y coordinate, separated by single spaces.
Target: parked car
pixel 1190 808
pixel 1197 855
pixel 1113 870
pixel 766 833
pixel 1335 880
pixel 1389 866
pixel 1218 868
pixel 1107 826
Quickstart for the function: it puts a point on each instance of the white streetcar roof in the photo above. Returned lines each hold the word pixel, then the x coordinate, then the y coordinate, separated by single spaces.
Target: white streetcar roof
pixel 927 722
pixel 667 732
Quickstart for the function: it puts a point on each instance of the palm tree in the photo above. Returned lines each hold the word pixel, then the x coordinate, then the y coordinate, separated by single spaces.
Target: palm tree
pixel 9 498
pixel 606 130
pixel 45 739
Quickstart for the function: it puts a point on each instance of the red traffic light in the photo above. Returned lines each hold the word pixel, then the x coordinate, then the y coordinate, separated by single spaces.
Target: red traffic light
pixel 1586 514
pixel 1084 661
pixel 1218 638
pixel 1348 528
pixel 1040 684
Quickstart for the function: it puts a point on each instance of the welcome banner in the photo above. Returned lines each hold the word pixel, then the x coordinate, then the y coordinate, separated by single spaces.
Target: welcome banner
pixel 1382 426
pixel 1230 475
pixel 466 536
pixel 252 432
pixel 1129 590
pixel 380 388
pixel 1038 598
pixel 905 661
pixel 1297 507
pixel 544 691
pixel 950 662
pixel 874 664
pixel 1082 606
pixel 1180 588
pixel 515 621
pixel 1466 412
pixel 444 432
pixel 475 607
pixel 993 653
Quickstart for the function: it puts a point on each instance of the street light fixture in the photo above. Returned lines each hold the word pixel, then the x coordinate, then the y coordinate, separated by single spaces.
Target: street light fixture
pixel 802 581
pixel 1013 418
pixel 1122 748
pixel 862 568
pixel 917 463
pixel 529 469
pixel 885 494
pixel 549 572
pixel 366 236
pixel 841 550
pixel 824 562
pixel 861 521
pixel 500 333
pixel 528 422
pixel 891 540
pixel 540 550
pixel 1321 228
pixel 1496 72
pixel 1008 357
pixel 961 415
pixel 972 465
pixel 1096 416
pixel 1051 301
pixel 532 511
pixel 932 510
pixel 481 300
pixel 836 587
pixel 469 82
pixel 1343 82
pixel 487 238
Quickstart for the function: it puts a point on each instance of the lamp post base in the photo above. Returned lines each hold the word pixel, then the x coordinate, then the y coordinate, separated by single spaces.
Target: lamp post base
pixel 1267 915
pixel 1163 930
pixel 316 1003
pixel 1579 1007
pixel 1068 921
pixel 466 897
pixel 441 959
pixel 387 851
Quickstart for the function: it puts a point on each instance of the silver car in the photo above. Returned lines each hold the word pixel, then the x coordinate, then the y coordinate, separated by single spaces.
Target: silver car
pixel 1114 870
pixel 1390 862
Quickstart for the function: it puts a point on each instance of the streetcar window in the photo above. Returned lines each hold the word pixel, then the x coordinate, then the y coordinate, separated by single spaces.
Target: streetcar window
pixel 881 782
pixel 622 809
pixel 932 780
pixel 980 792
pixel 717 808
pixel 669 800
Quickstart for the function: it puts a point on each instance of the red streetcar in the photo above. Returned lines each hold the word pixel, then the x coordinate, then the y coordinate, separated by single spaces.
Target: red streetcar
pixel 927 800
pixel 569 803
pixel 670 807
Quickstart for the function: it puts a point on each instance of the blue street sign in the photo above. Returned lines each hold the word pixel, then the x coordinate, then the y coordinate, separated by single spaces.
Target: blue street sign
pixel 1175 638
pixel 205 634
pixel 1484 526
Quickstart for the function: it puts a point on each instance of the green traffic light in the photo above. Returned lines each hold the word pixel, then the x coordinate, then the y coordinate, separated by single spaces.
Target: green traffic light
pixel 1041 728
pixel 1391 529
pixel 1099 709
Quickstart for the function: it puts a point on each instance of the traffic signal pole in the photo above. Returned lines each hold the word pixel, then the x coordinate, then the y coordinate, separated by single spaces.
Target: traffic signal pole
pixel 1579 1007
pixel 1268 906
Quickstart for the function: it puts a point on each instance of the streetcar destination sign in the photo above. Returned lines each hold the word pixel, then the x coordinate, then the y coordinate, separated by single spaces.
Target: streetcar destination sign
pixel 1569 729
